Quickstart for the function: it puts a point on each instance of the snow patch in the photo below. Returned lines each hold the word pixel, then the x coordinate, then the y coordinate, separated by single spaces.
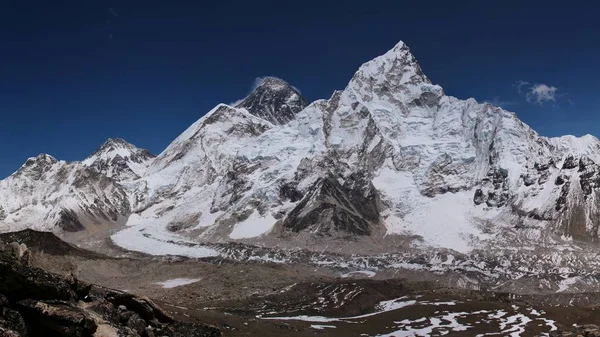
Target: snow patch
pixel 176 282
pixel 368 273
pixel 255 225
pixel 322 327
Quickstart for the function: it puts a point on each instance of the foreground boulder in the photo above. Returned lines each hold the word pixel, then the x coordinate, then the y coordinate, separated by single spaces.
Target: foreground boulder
pixel 56 318
pixel 35 303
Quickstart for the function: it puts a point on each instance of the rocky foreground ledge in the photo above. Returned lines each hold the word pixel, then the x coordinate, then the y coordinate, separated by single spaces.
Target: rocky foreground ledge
pixel 34 303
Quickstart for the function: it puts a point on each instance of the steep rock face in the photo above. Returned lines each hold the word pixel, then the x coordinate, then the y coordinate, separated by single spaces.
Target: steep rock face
pixel 46 194
pixel 331 207
pixel 119 160
pixel 274 100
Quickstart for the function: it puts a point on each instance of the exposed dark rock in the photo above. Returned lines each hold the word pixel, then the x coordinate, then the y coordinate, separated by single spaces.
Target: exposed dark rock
pixel 544 176
pixel 144 308
pixel 149 332
pixel 561 179
pixel 184 223
pixel 528 180
pixel 494 189
pixel 570 163
pixel 288 191
pixel 69 222
pixel 187 330
pixel 351 207
pixel 562 199
pixel 590 180
pixel 12 320
pixel 274 100
pixel 18 281
pixel 543 167
pixel 497 199
pixel 56 318
pixel 585 162
pixel 136 323
pixel 440 171
pixel 6 332
pixel 479 197
pixel 3 301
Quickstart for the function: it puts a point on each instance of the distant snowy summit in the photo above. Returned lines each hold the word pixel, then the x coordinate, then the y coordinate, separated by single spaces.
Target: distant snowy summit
pixel 390 162
pixel 274 100
pixel 119 160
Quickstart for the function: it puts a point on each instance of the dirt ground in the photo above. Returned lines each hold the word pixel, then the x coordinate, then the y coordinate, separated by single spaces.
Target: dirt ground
pixel 241 298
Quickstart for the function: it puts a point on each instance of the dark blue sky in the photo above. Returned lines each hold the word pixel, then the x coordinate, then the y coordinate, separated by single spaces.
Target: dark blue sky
pixel 73 73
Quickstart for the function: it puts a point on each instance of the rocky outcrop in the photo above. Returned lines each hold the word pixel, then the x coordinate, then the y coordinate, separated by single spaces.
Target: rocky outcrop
pixel 351 207
pixel 36 303
pixel 46 243
pixel 274 100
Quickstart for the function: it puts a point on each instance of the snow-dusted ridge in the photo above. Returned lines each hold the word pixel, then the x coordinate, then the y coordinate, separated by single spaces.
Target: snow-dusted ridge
pixel 391 156
pixel 120 160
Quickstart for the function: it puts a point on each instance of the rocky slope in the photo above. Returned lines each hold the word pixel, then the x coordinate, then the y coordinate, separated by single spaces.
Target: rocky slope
pixel 389 156
pixel 35 303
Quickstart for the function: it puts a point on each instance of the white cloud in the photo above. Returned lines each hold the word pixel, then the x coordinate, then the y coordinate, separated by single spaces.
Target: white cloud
pixel 541 93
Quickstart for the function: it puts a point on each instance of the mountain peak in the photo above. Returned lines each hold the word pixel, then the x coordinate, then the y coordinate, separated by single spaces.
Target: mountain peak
pixel 46 158
pixel 394 76
pixel 35 167
pixel 119 159
pixel 114 143
pixel 274 100
pixel 274 83
pixel 398 60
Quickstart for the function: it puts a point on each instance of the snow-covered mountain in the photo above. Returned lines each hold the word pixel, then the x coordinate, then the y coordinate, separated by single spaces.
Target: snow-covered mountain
pixel 119 160
pixel 49 194
pixel 390 156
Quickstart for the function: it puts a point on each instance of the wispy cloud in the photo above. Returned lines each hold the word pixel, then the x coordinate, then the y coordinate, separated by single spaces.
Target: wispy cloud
pixel 520 84
pixel 112 11
pixel 496 101
pixel 257 81
pixel 538 93
pixel 234 103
